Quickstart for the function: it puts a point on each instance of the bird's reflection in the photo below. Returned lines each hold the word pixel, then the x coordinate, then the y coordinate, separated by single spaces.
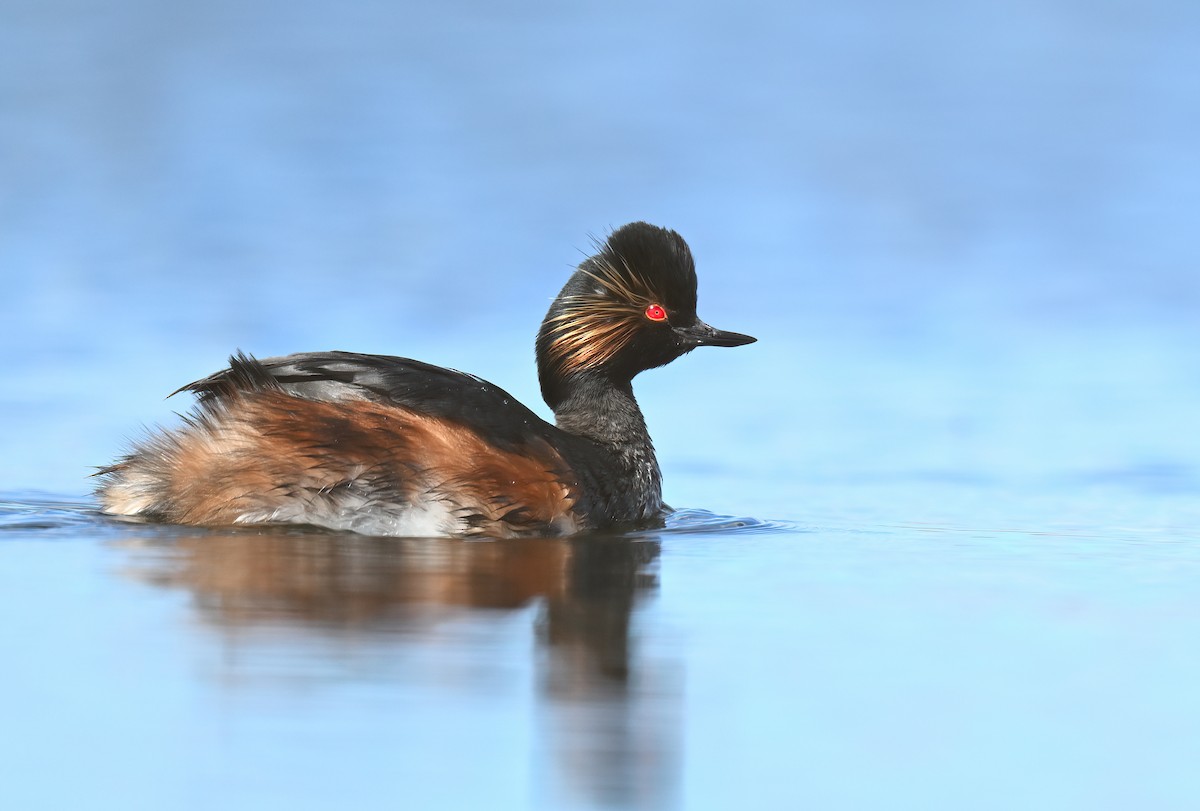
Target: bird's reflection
pixel 600 733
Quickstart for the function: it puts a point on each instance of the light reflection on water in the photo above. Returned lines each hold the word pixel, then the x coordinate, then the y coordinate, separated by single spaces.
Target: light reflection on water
pixel 656 669
pixel 446 622
pixel 608 723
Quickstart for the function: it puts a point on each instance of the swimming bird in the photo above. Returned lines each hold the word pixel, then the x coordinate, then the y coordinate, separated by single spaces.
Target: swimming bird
pixel 386 445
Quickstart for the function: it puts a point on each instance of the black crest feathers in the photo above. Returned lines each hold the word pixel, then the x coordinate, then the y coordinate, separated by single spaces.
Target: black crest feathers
pixel 600 311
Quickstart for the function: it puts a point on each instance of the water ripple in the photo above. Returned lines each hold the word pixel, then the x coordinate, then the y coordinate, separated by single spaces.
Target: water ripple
pixel 694 521
pixel 34 513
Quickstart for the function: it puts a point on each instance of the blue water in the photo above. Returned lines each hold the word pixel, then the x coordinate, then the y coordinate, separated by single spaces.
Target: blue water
pixel 940 527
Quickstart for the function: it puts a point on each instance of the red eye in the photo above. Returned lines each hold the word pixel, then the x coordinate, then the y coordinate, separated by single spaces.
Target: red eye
pixel 656 313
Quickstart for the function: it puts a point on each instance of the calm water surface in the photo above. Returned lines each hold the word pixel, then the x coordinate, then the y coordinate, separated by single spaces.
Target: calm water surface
pixel 941 537
pixel 714 663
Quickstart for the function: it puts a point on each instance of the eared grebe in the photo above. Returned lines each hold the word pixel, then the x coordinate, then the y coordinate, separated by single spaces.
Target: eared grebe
pixel 391 446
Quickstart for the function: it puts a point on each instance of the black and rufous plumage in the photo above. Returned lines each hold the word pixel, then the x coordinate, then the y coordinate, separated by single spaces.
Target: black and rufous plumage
pixel 391 446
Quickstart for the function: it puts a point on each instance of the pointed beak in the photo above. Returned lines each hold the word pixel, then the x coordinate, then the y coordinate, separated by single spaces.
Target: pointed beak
pixel 701 334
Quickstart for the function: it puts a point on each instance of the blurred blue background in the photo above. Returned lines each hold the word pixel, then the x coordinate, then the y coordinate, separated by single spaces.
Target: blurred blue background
pixel 962 206
pixel 964 234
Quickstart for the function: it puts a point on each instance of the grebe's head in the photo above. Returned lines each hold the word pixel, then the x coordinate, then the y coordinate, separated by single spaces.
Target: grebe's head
pixel 630 307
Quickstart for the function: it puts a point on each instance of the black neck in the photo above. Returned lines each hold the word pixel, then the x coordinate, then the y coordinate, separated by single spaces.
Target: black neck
pixel 603 411
pixel 597 408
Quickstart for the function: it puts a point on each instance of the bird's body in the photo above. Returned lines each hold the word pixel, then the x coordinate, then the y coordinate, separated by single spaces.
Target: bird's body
pixel 391 446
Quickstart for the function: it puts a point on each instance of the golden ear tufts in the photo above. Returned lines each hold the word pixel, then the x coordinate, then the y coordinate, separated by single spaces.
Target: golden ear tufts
pixel 592 329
